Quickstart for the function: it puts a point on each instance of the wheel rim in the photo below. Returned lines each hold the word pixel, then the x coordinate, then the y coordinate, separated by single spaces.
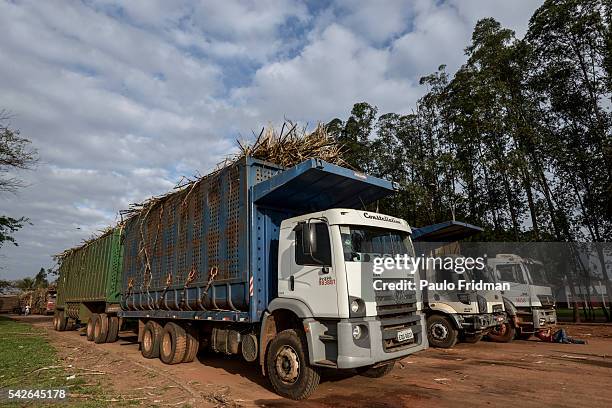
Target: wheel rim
pixel 147 340
pixel 439 331
pixel 167 344
pixel 287 365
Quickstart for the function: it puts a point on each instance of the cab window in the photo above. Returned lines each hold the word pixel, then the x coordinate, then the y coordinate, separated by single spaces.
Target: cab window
pixel 510 273
pixel 322 256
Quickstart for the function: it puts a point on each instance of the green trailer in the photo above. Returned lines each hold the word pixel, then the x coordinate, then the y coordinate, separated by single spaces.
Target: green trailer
pixel 89 287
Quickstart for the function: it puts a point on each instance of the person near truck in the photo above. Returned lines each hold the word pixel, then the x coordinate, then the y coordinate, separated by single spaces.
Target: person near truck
pixel 560 336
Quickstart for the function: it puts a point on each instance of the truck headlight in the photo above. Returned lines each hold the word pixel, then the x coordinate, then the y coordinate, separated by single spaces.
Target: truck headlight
pixel 354 306
pixel 357 332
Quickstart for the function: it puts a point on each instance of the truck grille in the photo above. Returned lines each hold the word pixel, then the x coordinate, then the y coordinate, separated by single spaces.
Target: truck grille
pixel 397 311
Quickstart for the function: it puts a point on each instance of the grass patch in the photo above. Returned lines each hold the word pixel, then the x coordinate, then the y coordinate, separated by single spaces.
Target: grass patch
pixel 28 361
pixel 568 314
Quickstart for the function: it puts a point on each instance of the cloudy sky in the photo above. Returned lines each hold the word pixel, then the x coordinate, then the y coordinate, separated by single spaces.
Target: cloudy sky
pixel 122 98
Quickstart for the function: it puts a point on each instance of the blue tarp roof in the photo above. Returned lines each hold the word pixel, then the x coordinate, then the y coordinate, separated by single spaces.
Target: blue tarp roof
pixel 448 231
pixel 315 185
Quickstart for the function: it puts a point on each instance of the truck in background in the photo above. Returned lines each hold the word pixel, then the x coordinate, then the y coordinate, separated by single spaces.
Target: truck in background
pixel 272 264
pixel 455 315
pixel 529 302
pixel 41 301
pixel 89 287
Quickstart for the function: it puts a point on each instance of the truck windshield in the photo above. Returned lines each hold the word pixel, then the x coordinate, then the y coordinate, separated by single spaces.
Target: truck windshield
pixel 363 244
pixel 538 273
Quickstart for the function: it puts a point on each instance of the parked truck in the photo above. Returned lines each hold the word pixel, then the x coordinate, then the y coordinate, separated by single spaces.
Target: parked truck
pixel 529 302
pixel 271 264
pixel 89 287
pixel 454 315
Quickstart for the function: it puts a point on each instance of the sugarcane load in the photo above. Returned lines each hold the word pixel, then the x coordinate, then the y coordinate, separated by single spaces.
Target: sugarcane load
pixel 270 256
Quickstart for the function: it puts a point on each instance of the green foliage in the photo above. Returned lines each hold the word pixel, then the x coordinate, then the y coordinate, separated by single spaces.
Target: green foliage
pixel 517 141
pixel 25 284
pixel 27 361
pixel 8 226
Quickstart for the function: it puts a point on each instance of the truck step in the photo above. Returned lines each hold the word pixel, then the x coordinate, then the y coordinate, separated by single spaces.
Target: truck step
pixel 327 337
pixel 326 363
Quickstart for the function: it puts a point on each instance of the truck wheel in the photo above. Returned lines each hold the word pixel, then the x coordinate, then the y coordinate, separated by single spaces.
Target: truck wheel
pixel 91 323
pixel 472 338
pixel 173 344
pixel 377 372
pixel 193 344
pixel 151 339
pixel 113 329
pixel 503 333
pixel 101 328
pixel 440 332
pixel 287 366
pixel 55 322
pixel 61 321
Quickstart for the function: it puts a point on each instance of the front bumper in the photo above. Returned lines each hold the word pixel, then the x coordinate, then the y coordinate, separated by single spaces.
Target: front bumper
pixel 371 349
pixel 476 323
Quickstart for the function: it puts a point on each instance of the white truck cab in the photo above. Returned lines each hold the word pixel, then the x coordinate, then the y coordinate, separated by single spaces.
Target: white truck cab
pixel 326 270
pixel 530 300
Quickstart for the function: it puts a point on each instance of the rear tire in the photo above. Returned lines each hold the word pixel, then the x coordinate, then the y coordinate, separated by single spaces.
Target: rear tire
pixel 193 344
pixel 441 332
pixel 62 321
pixel 91 323
pixel 173 344
pixel 502 334
pixel 151 339
pixel 377 372
pixel 287 366
pixel 101 328
pixel 113 329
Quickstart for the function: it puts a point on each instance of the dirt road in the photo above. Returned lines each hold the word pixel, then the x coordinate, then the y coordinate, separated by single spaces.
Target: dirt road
pixel 522 373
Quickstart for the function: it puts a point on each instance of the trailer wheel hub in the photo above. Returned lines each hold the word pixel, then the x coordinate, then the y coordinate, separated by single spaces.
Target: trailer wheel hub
pixel 287 364
pixel 438 331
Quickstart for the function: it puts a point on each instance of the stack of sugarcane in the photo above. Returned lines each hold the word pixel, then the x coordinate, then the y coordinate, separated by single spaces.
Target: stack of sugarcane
pixel 86 242
pixel 286 148
pixel 292 146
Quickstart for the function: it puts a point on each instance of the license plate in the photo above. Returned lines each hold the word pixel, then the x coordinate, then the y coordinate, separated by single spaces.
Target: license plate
pixel 405 335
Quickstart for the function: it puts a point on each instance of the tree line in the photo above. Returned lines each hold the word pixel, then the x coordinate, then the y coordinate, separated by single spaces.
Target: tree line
pixel 518 140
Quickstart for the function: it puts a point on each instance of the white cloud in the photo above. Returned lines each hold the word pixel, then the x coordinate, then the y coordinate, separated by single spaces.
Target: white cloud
pixel 121 98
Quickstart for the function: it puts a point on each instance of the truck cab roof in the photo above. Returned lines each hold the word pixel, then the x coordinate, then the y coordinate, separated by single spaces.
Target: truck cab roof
pixel 347 216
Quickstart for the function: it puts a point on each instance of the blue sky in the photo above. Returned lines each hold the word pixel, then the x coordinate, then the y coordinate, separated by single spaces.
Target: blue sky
pixel 122 98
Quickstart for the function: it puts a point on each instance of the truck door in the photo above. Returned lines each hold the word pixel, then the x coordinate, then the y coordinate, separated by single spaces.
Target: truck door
pixel 312 279
pixel 514 275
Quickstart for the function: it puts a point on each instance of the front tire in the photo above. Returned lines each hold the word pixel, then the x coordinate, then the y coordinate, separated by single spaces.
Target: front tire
pixel 287 366
pixel 502 334
pixel 440 332
pixel 377 372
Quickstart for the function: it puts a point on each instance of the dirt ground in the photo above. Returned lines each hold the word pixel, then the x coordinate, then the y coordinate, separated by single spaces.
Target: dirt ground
pixel 522 373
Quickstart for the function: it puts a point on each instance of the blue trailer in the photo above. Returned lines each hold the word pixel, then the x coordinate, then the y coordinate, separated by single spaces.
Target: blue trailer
pixel 276 265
